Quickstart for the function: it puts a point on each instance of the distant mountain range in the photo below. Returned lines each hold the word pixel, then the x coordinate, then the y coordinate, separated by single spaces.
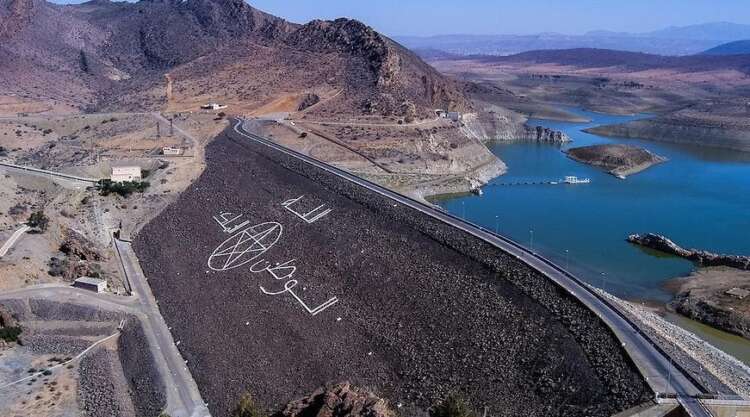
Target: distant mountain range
pixel 731 48
pixel 685 40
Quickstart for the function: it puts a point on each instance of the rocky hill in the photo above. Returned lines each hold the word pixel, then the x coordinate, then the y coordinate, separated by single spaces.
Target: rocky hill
pixel 626 61
pixel 731 48
pixel 115 55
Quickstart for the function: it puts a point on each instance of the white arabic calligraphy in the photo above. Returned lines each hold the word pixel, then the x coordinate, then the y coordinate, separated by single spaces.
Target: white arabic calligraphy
pixel 226 218
pixel 252 242
pixel 288 288
pixel 245 246
pixel 310 217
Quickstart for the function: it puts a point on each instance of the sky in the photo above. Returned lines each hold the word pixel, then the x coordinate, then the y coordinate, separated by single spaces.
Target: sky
pixel 434 17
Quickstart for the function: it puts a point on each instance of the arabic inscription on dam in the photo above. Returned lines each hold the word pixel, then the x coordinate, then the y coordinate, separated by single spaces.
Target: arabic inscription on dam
pixel 249 243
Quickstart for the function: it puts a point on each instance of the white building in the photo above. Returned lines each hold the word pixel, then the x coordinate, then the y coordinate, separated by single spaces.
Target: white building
pixel 213 106
pixel 91 284
pixel 454 116
pixel 126 173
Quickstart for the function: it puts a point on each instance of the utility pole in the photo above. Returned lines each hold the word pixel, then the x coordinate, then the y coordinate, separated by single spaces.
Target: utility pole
pixel 497 225
pixel 158 129
pixel 669 376
pixel 171 127
pixel 531 240
pixel 567 260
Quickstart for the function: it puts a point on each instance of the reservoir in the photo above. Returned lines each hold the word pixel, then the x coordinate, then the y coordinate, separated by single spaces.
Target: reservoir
pixel 700 198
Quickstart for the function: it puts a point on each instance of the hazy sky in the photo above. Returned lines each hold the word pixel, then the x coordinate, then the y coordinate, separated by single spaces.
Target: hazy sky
pixel 428 17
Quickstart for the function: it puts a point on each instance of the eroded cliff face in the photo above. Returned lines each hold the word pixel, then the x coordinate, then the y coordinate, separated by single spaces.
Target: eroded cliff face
pixel 499 124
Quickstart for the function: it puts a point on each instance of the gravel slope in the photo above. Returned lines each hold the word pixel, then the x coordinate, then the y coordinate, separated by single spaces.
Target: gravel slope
pixel 424 309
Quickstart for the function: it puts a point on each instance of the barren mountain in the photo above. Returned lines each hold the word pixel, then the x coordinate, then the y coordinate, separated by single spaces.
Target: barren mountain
pixel 158 54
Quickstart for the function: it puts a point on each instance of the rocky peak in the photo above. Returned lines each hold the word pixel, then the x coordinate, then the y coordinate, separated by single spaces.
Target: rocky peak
pixel 354 37
pixel 234 16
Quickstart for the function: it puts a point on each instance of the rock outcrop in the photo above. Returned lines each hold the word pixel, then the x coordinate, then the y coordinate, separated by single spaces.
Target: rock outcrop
pixel 9 329
pixel 704 258
pixel 543 134
pixel 710 311
pixel 81 258
pixel 715 296
pixel 341 400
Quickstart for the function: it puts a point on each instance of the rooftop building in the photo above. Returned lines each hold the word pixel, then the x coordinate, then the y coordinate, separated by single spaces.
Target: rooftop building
pixel 91 284
pixel 126 173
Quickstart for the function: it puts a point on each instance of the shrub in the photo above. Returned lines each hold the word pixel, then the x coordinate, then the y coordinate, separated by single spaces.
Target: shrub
pixel 124 189
pixel 247 407
pixel 10 334
pixel 453 406
pixel 57 266
pixel 38 220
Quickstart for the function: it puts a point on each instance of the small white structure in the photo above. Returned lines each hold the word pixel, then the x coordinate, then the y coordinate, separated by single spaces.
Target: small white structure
pixel 126 173
pixel 91 284
pixel 168 150
pixel 572 179
pixel 213 106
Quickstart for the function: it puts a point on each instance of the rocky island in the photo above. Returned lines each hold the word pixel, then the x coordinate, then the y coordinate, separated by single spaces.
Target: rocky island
pixel 619 160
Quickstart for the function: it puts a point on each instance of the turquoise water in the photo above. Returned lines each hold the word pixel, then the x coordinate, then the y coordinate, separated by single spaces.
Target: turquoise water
pixel 700 198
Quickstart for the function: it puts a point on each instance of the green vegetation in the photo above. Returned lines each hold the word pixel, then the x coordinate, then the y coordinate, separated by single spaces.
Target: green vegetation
pixel 125 188
pixel 10 334
pixel 247 407
pixel 38 220
pixel 83 60
pixel 453 406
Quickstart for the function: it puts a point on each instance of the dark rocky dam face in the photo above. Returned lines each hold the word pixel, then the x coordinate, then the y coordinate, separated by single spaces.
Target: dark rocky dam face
pixel 277 277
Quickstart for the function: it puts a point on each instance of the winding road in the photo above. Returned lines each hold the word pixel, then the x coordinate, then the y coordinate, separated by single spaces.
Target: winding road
pixel 183 396
pixel 13 239
pixel 657 367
